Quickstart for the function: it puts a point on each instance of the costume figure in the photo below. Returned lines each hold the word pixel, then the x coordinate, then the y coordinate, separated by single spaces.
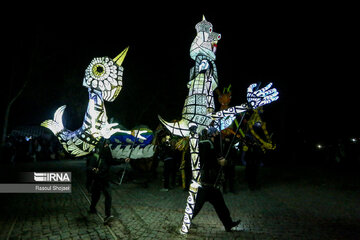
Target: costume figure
pixel 255 147
pixel 103 78
pixel 134 145
pixel 199 108
pixel 168 155
pixel 254 124
pixel 99 177
pixel 211 164
pixel 224 99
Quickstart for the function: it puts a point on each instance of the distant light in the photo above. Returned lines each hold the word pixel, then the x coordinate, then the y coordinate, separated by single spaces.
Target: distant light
pixel 319 146
pixel 354 140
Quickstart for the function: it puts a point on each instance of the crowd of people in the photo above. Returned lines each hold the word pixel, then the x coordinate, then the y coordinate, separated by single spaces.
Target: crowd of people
pixel 31 149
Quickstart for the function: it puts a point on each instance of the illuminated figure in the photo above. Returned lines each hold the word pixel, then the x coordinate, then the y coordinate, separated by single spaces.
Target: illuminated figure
pixel 255 122
pixel 103 78
pixel 124 145
pixel 199 108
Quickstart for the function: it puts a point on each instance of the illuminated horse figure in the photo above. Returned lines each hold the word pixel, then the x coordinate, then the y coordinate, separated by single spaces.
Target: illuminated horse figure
pixel 103 78
pixel 199 108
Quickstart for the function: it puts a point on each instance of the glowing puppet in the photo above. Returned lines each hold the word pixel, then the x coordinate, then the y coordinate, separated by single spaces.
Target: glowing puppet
pixel 255 122
pixel 103 78
pixel 131 146
pixel 199 108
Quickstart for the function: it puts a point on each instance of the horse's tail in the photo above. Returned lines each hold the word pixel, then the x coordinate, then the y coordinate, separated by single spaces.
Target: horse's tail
pixel 55 125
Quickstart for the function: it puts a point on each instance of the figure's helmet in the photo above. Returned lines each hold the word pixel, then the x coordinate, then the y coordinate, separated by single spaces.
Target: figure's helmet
pixel 105 75
pixel 205 42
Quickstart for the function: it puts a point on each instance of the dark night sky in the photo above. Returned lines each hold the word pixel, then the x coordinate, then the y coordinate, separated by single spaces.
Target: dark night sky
pixel 304 50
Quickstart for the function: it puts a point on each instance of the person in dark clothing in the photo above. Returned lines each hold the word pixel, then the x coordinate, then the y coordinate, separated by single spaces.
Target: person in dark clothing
pixel 252 158
pixel 211 164
pixel 99 177
pixel 167 154
pixel 229 168
pixel 257 143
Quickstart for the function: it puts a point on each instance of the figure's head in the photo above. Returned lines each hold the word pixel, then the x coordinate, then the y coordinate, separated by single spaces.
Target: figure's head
pixel 206 40
pixel 224 97
pixel 105 75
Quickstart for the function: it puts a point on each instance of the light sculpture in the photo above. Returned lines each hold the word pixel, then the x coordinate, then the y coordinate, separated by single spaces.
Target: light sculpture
pixel 254 122
pixel 103 78
pixel 199 108
pixel 133 146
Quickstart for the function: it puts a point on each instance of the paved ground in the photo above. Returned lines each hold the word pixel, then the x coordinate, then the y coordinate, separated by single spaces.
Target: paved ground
pixel 286 207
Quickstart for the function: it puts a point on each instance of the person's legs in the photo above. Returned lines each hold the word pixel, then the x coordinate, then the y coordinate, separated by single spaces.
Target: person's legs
pixel 217 200
pixel 108 199
pixel 167 173
pixel 95 196
pixel 172 177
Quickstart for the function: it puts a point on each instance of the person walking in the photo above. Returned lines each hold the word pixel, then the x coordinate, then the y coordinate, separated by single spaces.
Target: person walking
pixel 99 178
pixel 211 163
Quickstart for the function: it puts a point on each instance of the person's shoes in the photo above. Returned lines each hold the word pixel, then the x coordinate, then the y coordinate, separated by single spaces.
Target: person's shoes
pixel 108 219
pixel 232 225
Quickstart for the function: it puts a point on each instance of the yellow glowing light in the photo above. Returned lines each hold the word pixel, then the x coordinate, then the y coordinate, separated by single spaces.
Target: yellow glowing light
pixel 120 58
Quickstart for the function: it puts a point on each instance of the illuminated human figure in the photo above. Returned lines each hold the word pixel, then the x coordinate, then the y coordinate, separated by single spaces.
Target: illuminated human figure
pixel 103 78
pixel 199 108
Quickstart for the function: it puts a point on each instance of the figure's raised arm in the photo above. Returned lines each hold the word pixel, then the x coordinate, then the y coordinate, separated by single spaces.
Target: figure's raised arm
pixel 263 96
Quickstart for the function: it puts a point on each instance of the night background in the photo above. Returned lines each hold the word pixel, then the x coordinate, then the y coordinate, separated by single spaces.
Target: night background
pixel 307 51
pixel 307 188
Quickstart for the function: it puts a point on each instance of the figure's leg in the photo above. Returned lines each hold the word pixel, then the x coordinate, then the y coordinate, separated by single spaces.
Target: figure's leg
pixel 200 200
pixel 193 189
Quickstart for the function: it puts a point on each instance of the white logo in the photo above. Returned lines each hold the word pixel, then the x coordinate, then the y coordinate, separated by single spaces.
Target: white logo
pixel 51 177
